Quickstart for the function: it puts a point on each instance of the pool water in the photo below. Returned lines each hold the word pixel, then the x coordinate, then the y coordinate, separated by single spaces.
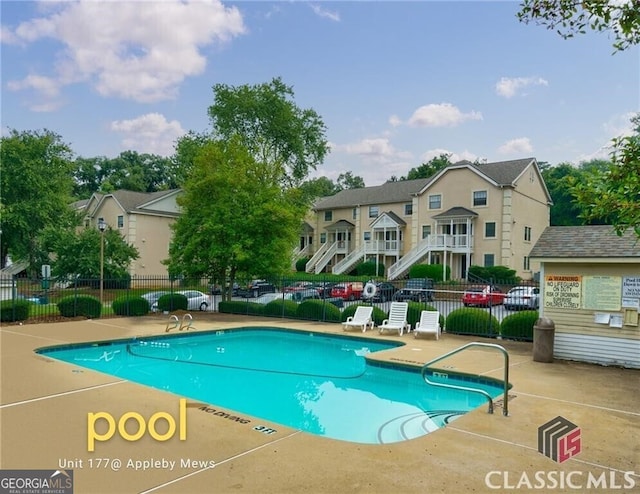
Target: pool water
pixel 318 383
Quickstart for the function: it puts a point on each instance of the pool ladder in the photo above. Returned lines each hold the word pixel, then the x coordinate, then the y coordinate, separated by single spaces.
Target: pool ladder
pixel 505 406
pixel 174 323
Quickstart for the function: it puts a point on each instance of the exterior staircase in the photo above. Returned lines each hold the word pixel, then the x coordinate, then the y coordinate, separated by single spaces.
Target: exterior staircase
pixel 350 260
pixel 321 258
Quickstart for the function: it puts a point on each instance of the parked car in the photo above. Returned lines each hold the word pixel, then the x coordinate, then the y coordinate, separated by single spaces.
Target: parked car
pixel 266 298
pixel 196 300
pixel 383 291
pixel 324 288
pixel 522 297
pixel 483 296
pixel 217 289
pixel 256 288
pixel 416 290
pixel 152 298
pixel 348 290
pixel 298 285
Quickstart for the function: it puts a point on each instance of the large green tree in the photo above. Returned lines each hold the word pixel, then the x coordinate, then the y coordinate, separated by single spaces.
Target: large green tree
pixel 36 184
pixel 430 168
pixel 613 192
pixel 571 17
pixel 236 218
pixel 287 139
pixel 348 180
pixel 77 253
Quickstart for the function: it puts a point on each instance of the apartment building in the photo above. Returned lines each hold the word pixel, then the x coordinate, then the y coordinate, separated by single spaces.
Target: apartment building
pixel 467 214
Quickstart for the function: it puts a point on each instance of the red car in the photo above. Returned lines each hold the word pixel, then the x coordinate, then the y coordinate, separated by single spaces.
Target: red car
pixel 348 290
pixel 483 296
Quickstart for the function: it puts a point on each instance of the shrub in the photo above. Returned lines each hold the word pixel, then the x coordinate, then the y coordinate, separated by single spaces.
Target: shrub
pixel 519 326
pixel 318 310
pixel 498 274
pixel 280 308
pixel 136 306
pixel 80 305
pixel 472 321
pixel 378 314
pixel 433 271
pixel 301 264
pixel 172 301
pixel 14 310
pixel 415 310
pixel 235 307
pixel 368 268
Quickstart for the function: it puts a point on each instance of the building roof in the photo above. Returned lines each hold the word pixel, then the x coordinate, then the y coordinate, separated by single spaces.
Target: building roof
pixel 502 173
pixel 457 212
pixel 138 202
pixel 585 242
pixel 389 192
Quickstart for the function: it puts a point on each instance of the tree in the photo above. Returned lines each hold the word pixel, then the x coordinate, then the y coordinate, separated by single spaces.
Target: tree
pixel 78 253
pixel 430 168
pixel 318 187
pixel 237 219
pixel 278 134
pixel 348 181
pixel 613 193
pixel 570 17
pixel 36 184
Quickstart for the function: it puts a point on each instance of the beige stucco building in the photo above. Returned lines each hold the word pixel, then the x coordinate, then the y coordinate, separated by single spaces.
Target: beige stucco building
pixel 143 220
pixel 467 214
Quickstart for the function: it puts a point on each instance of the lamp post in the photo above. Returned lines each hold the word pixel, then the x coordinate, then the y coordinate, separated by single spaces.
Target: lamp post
pixel 102 226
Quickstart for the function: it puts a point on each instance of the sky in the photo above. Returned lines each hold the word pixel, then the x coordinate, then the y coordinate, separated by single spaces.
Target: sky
pixel 396 83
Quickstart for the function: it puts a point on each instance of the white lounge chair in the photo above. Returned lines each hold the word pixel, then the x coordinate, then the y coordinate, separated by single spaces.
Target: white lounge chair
pixel 397 320
pixel 429 323
pixel 362 318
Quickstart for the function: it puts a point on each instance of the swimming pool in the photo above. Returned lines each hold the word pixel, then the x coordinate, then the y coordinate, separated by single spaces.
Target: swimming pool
pixel 318 383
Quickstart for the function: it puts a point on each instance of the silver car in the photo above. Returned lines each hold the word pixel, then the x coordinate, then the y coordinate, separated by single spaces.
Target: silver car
pixel 522 297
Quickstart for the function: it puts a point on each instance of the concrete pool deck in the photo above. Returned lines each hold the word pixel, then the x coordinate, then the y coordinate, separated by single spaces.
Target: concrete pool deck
pixel 44 407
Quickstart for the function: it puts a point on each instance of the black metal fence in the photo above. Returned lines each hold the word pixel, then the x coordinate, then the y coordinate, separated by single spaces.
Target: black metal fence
pixel 340 292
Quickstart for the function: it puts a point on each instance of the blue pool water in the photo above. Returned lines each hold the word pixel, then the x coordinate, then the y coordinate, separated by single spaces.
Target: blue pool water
pixel 318 383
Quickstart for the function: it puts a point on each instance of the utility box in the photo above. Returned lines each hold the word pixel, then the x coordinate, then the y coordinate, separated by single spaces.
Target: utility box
pixel 544 331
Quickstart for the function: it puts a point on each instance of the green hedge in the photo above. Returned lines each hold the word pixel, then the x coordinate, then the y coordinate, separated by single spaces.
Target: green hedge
pixel 280 308
pixel 80 305
pixel 519 326
pixel 172 301
pixel 125 306
pixel 433 271
pixel 14 310
pixel 471 320
pixel 318 310
pixel 301 265
pixel 378 314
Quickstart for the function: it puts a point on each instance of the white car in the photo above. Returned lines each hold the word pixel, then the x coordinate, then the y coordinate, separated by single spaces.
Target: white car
pixel 522 297
pixel 196 300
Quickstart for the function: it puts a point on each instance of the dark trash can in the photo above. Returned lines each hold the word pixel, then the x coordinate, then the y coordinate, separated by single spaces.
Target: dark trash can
pixel 544 331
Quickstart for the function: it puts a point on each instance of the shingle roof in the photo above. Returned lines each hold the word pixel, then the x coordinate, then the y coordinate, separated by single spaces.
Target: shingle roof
pixel 501 172
pixel 456 212
pixel 132 201
pixel 386 193
pixel 585 241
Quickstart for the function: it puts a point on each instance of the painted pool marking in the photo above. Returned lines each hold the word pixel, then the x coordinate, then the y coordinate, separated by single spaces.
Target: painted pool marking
pixel 56 395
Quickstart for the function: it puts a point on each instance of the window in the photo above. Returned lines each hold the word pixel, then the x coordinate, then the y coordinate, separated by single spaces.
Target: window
pixel 489 260
pixel 328 215
pixel 354 213
pixel 323 238
pixel 120 221
pixel 374 211
pixel 525 264
pixel 490 229
pixel 435 201
pixel 426 231
pixel 408 209
pixel 367 236
pixel 480 198
pixel 527 234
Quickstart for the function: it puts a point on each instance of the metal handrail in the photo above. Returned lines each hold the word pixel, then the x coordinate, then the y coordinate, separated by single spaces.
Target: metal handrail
pixel 505 408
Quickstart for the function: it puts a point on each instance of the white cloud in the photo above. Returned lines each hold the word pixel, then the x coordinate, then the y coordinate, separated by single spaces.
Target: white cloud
pixel 378 150
pixel 395 121
pixel 141 54
pixel 150 133
pixel 319 11
pixel 441 115
pixel 508 87
pixel 453 158
pixel 521 145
